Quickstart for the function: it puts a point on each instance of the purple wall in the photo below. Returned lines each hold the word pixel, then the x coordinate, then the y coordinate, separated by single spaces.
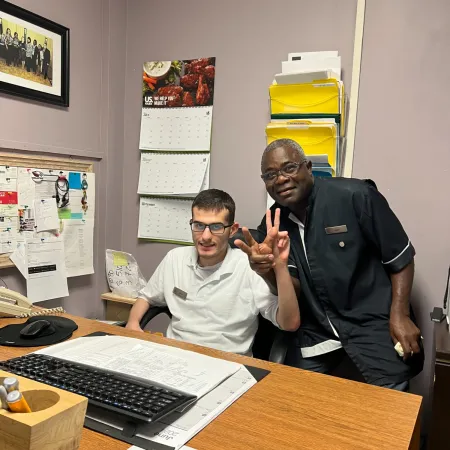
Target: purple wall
pixel 92 127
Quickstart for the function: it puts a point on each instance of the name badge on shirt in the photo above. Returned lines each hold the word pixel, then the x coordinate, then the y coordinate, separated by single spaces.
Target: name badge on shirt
pixel 180 293
pixel 336 230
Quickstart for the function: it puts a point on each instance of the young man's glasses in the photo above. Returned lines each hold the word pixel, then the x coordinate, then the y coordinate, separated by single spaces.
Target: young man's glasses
pixel 215 228
pixel 289 170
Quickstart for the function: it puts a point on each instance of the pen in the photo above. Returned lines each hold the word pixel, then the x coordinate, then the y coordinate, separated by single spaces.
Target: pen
pixel 11 384
pixel 17 403
pixel 3 395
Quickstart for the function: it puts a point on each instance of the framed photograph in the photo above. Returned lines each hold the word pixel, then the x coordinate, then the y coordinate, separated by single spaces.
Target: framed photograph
pixel 34 56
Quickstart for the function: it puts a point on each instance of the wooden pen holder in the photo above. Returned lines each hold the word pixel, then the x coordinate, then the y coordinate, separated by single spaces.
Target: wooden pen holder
pixel 55 423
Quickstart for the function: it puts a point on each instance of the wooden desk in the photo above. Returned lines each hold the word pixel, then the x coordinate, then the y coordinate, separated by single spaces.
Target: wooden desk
pixel 289 409
pixel 439 436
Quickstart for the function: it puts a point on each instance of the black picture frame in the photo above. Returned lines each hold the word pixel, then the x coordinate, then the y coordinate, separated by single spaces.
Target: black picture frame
pixel 34 94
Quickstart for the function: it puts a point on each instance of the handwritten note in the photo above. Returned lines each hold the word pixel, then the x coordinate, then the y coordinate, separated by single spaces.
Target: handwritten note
pixel 46 213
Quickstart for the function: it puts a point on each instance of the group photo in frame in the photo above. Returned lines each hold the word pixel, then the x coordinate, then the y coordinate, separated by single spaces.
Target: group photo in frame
pixel 34 56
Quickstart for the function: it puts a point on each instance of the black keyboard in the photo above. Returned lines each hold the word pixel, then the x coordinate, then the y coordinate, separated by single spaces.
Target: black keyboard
pixel 139 400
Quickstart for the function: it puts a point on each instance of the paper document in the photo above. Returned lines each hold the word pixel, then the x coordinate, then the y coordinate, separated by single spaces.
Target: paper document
pixel 165 219
pixel 8 172
pixel 8 184
pixel 176 429
pixel 172 173
pixel 178 369
pixel 78 237
pixel 26 189
pixel 45 269
pixel 176 129
pixel 46 214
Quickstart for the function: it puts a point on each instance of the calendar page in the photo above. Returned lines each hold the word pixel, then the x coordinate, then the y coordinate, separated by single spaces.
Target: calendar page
pixel 172 173
pixel 165 219
pixel 176 129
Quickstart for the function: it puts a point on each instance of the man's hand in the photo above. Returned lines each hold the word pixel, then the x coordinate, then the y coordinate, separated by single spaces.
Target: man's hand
pixel 261 256
pixel 133 326
pixel 403 330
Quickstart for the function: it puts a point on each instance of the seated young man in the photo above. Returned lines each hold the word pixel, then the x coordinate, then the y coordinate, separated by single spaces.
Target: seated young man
pixel 213 294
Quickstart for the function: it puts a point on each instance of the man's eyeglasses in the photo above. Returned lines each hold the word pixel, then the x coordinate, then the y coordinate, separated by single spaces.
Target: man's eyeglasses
pixel 215 228
pixel 289 170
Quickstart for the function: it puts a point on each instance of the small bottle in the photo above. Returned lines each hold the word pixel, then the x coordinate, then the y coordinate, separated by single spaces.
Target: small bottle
pixel 3 395
pixel 11 384
pixel 17 403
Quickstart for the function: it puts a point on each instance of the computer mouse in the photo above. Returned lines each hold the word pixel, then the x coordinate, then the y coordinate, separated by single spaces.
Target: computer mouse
pixel 34 329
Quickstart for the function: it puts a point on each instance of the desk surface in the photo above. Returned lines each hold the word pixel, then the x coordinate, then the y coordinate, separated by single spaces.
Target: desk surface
pixel 288 409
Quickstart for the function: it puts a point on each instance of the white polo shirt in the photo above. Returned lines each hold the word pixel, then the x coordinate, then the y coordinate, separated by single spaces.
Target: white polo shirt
pixel 220 311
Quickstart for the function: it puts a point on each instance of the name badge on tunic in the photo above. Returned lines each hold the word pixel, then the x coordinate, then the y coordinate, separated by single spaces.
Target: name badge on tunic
pixel 180 293
pixel 336 230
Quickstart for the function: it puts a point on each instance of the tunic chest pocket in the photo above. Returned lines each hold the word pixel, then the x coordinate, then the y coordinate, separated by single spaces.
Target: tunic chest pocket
pixel 340 239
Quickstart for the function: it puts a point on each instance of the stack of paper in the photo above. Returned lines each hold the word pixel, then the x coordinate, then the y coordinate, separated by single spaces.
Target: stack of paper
pixel 307 106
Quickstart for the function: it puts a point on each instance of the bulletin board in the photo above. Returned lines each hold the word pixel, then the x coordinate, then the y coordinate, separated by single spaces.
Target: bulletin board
pixel 50 163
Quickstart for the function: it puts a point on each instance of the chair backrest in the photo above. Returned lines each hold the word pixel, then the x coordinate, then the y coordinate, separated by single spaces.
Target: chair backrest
pixel 239 235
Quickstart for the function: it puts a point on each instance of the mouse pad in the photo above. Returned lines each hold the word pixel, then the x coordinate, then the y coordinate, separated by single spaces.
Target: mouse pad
pixel 63 329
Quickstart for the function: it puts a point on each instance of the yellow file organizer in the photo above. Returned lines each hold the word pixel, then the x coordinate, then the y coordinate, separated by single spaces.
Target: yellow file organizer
pixel 315 139
pixel 55 423
pixel 319 97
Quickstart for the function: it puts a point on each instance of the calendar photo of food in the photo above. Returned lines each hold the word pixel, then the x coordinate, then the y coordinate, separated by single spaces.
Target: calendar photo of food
pixel 179 83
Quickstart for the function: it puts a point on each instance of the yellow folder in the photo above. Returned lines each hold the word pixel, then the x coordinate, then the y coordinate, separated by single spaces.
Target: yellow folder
pixel 314 138
pixel 309 98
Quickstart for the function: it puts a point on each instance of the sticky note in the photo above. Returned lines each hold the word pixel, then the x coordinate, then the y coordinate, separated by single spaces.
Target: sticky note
pixel 74 180
pixel 64 213
pixel 119 259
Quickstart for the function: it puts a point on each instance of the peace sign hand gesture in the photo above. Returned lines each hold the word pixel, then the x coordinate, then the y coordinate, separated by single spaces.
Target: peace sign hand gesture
pixel 272 252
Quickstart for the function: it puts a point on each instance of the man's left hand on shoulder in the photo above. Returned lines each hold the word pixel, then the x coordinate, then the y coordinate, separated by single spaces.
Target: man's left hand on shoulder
pixel 404 330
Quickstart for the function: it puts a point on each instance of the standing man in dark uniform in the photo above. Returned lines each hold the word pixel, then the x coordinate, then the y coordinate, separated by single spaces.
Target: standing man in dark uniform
pixel 352 265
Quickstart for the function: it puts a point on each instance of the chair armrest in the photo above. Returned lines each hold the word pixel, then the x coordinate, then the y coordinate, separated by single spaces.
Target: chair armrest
pixel 152 312
pixel 279 347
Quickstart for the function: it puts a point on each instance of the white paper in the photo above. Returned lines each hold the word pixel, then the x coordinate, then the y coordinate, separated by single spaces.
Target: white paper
pixel 45 269
pixel 8 210
pixel 7 246
pixel 26 193
pixel 312 55
pixel 45 188
pixel 169 174
pixel 172 367
pixel 18 257
pixel 8 172
pixel 185 447
pixel 8 184
pixel 165 219
pixel 176 129
pixel 46 214
pixel 327 63
pixel 178 428
pixel 78 237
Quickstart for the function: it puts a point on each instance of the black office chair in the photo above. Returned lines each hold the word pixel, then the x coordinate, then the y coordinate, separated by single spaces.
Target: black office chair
pixel 270 343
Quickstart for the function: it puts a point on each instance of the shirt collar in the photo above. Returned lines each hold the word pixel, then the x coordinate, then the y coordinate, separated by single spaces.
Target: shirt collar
pixel 226 268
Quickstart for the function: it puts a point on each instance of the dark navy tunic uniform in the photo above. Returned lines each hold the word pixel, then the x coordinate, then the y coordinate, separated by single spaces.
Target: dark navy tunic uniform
pixel 352 243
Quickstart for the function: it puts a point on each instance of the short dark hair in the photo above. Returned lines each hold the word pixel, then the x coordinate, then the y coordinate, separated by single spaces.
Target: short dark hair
pixel 215 200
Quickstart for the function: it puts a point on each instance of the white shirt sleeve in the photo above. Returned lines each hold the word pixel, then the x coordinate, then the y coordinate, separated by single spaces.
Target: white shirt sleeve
pixel 154 291
pixel 266 303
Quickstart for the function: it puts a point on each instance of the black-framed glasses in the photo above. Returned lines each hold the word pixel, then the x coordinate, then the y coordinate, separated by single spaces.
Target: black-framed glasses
pixel 289 170
pixel 214 228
